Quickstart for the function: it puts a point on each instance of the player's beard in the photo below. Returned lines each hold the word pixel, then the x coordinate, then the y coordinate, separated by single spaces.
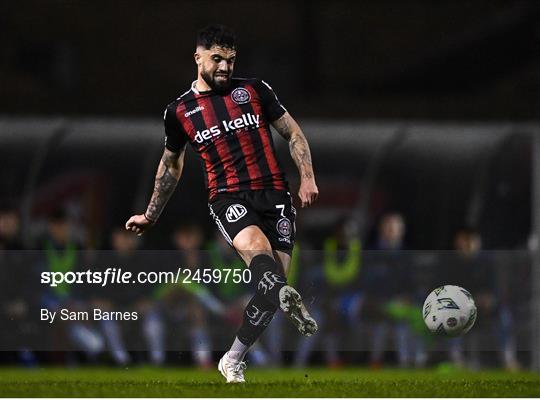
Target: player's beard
pixel 220 86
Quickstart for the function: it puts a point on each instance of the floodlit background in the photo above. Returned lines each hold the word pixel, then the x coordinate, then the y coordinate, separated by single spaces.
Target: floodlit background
pixel 423 123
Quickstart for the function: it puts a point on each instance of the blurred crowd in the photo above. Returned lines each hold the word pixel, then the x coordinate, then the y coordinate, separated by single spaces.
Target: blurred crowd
pixel 366 294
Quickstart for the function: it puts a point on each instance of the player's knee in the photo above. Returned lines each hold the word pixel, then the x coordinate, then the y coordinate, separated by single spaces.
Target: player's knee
pixel 259 243
pixel 251 240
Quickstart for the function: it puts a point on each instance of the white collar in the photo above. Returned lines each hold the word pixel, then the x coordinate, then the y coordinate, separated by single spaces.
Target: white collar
pixel 195 90
pixel 194 87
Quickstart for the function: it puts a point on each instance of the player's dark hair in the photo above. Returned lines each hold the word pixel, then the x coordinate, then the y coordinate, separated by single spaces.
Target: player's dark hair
pixel 216 35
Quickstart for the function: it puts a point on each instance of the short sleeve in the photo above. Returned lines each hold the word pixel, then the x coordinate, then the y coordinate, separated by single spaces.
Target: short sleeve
pixel 272 108
pixel 175 136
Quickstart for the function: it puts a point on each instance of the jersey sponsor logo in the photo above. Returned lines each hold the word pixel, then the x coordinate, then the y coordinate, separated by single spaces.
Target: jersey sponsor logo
pixel 240 96
pixel 207 134
pixel 194 111
pixel 245 121
pixel 235 212
pixel 283 227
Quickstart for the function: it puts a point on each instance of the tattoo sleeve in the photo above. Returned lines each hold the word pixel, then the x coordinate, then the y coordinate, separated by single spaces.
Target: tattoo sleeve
pixel 298 145
pixel 167 176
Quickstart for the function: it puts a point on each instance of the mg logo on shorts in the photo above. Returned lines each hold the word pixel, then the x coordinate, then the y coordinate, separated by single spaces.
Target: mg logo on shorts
pixel 240 95
pixel 235 212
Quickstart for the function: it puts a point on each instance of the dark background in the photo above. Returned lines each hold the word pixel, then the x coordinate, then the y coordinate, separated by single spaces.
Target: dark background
pixel 339 59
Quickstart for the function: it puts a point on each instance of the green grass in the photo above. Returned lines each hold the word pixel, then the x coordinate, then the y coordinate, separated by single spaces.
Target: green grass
pixel 178 382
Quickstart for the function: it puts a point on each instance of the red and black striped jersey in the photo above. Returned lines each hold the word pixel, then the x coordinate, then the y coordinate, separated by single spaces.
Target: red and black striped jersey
pixel 231 134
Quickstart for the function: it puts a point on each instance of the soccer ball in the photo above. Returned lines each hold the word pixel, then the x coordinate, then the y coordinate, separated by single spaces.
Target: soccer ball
pixel 449 311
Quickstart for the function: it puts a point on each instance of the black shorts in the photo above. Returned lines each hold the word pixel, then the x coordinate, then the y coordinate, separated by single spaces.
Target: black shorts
pixel 271 210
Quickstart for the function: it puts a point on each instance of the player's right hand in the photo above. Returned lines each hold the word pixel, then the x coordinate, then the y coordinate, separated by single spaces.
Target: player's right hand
pixel 138 224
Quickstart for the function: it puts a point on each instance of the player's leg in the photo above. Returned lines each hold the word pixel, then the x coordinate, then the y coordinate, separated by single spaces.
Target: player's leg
pixel 272 292
pixel 283 259
pixel 239 224
pixel 274 336
pixel 259 307
pixel 271 284
pixel 278 224
pixel 254 248
pixel 236 219
pixel 267 276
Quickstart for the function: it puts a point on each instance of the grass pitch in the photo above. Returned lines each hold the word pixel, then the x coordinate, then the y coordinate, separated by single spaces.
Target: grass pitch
pixel 184 382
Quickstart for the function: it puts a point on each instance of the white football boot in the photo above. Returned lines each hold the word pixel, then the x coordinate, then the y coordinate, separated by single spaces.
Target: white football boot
pixel 231 369
pixel 291 304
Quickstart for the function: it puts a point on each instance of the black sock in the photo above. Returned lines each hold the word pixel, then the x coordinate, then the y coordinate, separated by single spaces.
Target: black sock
pixel 268 277
pixel 257 315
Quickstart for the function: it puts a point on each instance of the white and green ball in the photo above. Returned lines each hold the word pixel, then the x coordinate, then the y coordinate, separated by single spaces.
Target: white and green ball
pixel 449 311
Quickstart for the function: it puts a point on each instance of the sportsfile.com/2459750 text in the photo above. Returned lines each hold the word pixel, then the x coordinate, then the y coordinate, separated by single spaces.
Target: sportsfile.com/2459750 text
pixel 120 276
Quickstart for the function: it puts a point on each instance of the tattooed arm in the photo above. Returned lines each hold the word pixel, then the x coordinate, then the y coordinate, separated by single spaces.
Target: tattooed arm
pixel 167 176
pixel 299 148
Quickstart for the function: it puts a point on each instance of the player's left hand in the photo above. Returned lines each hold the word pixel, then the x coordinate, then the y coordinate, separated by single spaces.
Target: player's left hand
pixel 308 192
